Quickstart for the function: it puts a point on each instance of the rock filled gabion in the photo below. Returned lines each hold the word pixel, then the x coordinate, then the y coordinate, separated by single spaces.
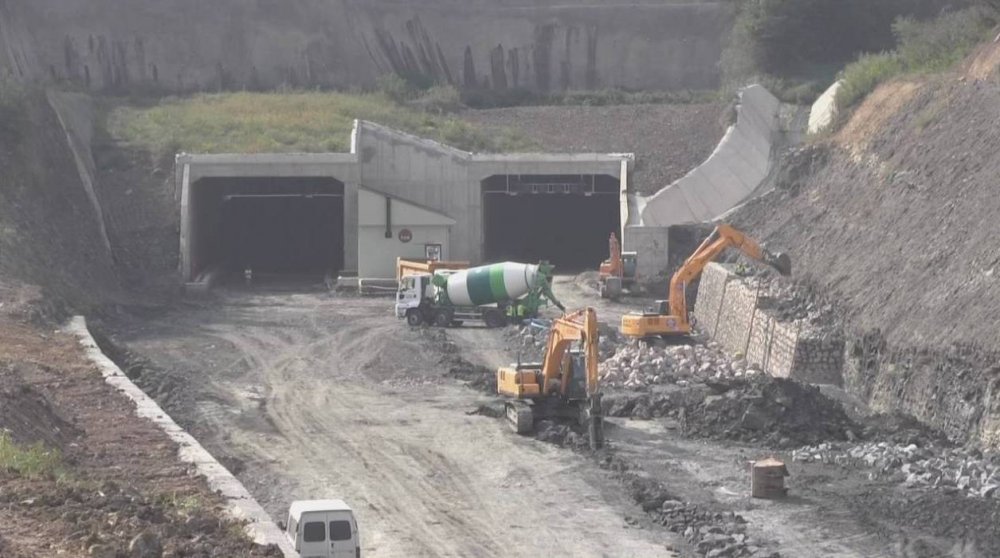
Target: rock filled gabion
pixel 633 365
pixel 949 469
pixel 792 302
pixel 637 366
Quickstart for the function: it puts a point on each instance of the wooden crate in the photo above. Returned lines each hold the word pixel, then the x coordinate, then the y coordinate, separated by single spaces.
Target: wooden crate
pixel 767 478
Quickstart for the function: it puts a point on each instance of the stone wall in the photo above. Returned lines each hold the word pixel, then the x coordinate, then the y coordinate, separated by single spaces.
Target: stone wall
pixel 728 310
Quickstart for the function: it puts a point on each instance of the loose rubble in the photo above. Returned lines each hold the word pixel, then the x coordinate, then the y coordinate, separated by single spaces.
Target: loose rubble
pixel 633 365
pixel 788 300
pixel 952 470
pixel 772 411
pixel 638 366
pixel 711 534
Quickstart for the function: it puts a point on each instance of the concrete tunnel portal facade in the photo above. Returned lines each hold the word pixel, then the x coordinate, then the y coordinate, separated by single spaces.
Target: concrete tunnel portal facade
pixel 394 195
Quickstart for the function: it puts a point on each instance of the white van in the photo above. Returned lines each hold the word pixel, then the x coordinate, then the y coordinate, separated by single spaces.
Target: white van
pixel 323 529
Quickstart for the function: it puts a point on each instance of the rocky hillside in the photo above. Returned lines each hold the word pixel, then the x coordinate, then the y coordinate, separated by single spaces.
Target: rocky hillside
pixel 896 214
pixel 894 218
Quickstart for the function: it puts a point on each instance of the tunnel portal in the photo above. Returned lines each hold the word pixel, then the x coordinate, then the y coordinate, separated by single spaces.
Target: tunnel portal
pixel 565 219
pixel 272 225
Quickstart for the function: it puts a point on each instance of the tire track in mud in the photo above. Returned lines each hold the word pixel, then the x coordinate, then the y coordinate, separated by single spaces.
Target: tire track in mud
pixel 285 362
pixel 322 396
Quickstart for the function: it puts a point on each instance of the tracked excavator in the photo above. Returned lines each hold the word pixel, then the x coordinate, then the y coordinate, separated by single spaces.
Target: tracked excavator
pixel 618 271
pixel 670 317
pixel 564 385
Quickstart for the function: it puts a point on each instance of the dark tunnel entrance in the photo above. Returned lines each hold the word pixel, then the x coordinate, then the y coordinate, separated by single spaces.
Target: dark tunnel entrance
pixel 272 225
pixel 565 219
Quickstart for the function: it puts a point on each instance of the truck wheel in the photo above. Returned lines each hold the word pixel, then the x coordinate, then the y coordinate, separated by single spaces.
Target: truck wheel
pixel 494 318
pixel 414 317
pixel 443 318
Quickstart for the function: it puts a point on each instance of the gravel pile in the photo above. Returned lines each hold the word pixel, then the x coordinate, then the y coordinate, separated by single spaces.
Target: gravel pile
pixel 949 469
pixel 637 366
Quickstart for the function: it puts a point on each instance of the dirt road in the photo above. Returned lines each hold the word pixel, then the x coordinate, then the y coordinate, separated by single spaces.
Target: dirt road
pixel 308 395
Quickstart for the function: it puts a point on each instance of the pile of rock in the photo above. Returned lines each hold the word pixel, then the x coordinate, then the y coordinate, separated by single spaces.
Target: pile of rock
pixel 793 302
pixel 773 411
pixel 711 534
pixel 530 340
pixel 637 366
pixel 950 469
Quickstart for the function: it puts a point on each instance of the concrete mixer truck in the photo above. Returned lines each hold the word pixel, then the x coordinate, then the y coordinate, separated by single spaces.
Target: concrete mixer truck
pixel 495 294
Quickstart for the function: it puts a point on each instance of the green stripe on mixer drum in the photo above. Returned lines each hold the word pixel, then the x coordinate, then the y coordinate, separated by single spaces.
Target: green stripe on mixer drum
pixel 478 283
pixel 497 285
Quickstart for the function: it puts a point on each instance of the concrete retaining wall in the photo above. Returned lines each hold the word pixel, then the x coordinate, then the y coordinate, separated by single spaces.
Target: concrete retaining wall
pixel 739 164
pixel 241 505
pixel 728 310
pixel 189 45
pixel 824 110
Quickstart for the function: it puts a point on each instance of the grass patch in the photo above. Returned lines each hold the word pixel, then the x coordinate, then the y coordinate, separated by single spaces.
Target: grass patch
pixel 860 78
pixel 287 122
pixel 34 461
pixel 182 503
pixel 922 47
pixel 519 97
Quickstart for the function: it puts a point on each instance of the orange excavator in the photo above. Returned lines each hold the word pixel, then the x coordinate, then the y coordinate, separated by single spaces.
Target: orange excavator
pixel 564 385
pixel 618 271
pixel 670 317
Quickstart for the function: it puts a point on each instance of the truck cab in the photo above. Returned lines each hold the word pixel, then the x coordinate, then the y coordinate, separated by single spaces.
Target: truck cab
pixel 411 293
pixel 323 529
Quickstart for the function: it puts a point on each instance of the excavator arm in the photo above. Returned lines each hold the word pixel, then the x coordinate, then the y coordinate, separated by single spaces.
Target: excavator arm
pixel 579 326
pixel 724 236
pixel 612 267
pixel 674 320
pixel 545 390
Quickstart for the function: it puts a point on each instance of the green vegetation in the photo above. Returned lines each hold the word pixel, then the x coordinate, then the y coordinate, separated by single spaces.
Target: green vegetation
pixel 187 503
pixel 923 47
pixel 861 77
pixel 796 47
pixel 488 98
pixel 288 122
pixel 33 461
pixel 443 99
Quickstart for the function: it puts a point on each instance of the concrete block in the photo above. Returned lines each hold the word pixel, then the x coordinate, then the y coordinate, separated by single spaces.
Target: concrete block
pixel 824 110
pixel 734 170
pixel 652 243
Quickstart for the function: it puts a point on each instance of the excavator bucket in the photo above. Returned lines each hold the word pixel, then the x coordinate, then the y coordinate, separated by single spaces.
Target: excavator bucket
pixel 781 262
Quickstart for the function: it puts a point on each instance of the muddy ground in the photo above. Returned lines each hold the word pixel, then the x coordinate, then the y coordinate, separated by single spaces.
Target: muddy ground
pixel 112 477
pixel 308 395
pixel 304 393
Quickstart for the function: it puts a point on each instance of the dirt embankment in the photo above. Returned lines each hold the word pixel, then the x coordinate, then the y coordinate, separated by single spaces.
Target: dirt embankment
pixel 49 234
pixel 668 140
pixel 101 477
pixel 893 217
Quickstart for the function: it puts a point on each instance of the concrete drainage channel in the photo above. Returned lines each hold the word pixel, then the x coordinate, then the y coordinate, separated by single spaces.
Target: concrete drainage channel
pixel 241 505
